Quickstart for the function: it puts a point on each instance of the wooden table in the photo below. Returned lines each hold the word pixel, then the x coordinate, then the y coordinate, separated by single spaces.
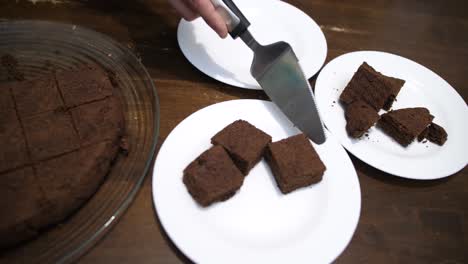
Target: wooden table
pixel 402 221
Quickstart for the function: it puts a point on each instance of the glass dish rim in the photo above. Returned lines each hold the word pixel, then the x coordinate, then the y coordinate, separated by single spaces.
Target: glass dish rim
pixel 87 244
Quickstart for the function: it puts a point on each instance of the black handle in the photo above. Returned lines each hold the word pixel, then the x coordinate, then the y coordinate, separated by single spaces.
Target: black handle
pixel 240 28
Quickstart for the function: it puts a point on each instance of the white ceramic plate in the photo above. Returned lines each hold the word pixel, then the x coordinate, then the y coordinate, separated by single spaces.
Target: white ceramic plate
pixel 423 88
pixel 258 224
pixel 229 60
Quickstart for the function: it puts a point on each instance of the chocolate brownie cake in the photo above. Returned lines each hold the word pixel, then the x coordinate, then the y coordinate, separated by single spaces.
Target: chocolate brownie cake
pixel 59 135
pixel 212 177
pixel 372 87
pixel 294 163
pixel 395 84
pixel 244 142
pixel 404 125
pixel 360 117
pixel 434 133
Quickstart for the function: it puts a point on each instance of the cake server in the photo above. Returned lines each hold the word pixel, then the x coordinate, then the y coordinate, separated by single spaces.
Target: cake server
pixel 277 70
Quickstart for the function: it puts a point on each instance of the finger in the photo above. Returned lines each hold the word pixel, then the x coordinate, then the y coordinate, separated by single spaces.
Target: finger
pixel 184 10
pixel 206 10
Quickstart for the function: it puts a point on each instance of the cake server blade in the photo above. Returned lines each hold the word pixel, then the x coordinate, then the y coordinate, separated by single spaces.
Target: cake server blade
pixel 277 70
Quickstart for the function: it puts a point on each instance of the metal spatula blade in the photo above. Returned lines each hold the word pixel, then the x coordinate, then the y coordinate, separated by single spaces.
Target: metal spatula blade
pixel 277 70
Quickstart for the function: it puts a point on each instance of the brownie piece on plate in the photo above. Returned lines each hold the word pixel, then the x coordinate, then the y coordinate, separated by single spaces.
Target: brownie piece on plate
pixel 360 117
pixel 404 125
pixel 294 163
pixel 244 142
pixel 395 85
pixel 212 177
pixel 372 87
pixel 434 133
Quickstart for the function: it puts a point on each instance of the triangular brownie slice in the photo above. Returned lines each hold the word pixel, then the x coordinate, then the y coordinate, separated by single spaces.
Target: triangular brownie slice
pixel 434 133
pixel 360 117
pixel 372 87
pixel 404 125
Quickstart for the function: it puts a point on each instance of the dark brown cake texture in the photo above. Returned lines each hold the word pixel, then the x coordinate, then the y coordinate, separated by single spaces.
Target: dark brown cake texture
pixel 294 163
pixel 395 84
pixel 244 142
pixel 13 150
pixel 11 65
pixel 434 133
pixel 36 96
pixel 22 204
pixel 212 177
pixel 372 87
pixel 360 117
pixel 404 125
pixel 84 85
pixel 57 144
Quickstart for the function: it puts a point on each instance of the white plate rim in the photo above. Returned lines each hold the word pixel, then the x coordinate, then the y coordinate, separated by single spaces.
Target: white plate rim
pixel 395 170
pixel 187 252
pixel 308 70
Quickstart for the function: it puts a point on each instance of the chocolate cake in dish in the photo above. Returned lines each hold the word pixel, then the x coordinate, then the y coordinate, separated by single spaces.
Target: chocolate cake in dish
pixel 360 117
pixel 404 125
pixel 59 136
pixel 23 205
pixel 244 142
pixel 84 85
pixel 371 87
pixel 212 177
pixel 294 163
pixel 37 96
pixel 434 133
pixel 13 150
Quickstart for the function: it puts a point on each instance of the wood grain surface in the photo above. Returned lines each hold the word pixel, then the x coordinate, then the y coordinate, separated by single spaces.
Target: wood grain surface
pixel 402 221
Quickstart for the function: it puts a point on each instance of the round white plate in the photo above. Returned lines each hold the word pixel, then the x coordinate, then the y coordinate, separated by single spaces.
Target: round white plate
pixel 423 88
pixel 258 224
pixel 229 60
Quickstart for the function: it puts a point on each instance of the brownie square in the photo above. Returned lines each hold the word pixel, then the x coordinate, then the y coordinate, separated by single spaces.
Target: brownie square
pixel 244 142
pixel 13 150
pixel 212 177
pixel 294 163
pixel 40 129
pixel 36 96
pixel 24 201
pixel 360 117
pixel 372 87
pixel 434 133
pixel 98 121
pixel 84 85
pixel 404 125
pixel 72 178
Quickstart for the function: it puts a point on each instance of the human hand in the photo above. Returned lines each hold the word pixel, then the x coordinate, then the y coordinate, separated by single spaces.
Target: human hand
pixel 191 9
